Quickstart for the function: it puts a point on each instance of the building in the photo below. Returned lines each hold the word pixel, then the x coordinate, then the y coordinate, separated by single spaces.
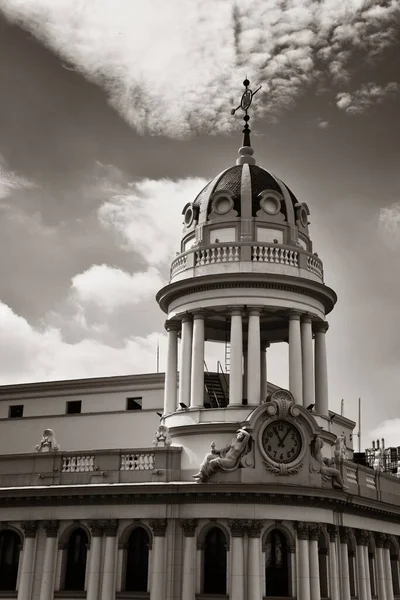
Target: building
pixel 241 490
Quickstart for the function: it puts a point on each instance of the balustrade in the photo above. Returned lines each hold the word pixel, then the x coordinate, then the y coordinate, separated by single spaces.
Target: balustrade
pixel 216 254
pixel 78 464
pixel 275 254
pixel 137 462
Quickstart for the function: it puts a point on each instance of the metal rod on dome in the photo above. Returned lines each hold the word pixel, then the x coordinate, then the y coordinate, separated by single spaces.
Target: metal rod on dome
pixel 245 103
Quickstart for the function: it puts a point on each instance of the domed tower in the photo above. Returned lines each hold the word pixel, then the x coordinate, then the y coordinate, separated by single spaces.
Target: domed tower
pixel 246 276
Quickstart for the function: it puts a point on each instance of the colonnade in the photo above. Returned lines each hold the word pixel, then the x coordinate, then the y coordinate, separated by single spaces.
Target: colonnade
pixel 308 380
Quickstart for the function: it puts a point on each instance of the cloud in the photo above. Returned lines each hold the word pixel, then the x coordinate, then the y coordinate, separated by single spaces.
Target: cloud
pixel 146 216
pixel 389 224
pixel 369 94
pixel 11 181
pixel 110 288
pixel 172 68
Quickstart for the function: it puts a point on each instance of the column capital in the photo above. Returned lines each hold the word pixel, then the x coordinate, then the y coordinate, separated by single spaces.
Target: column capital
pixel 238 527
pixel 110 527
pixel 295 315
pixel 320 326
pixel 188 526
pixel 362 537
pixel 199 314
pixel 345 534
pixel 306 318
pixel 51 528
pixel 314 531
pixel 96 528
pixel 254 310
pixel 29 528
pixel 302 529
pixel 185 318
pixel 236 311
pixel 172 325
pixel 333 531
pixel 159 526
pixel 254 528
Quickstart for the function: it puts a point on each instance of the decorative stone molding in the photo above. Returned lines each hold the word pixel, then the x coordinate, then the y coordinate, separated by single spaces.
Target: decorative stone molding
pixel 48 442
pixel 51 528
pixel 110 527
pixel 254 528
pixel 172 325
pixel 362 537
pixel 188 526
pixel 320 326
pixel 238 527
pixel 345 534
pixel 159 527
pixel 162 437
pixel 29 528
pixel 380 539
pixel 333 531
pixel 96 528
pixel 314 531
pixel 302 530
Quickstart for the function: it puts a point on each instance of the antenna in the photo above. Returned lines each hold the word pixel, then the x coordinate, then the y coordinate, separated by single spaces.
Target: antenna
pixel 359 425
pixel 342 408
pixel 158 356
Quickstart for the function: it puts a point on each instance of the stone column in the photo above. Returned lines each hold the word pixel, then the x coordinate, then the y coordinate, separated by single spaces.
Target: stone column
pixel 321 369
pixel 367 573
pixel 237 587
pixel 315 588
pixel 333 531
pixel 189 559
pixel 171 372
pixel 253 357
pixel 307 361
pixel 295 368
pixel 108 584
pixel 387 569
pixel 157 590
pixel 362 541
pixel 28 560
pixel 236 343
pixel 344 561
pixel 264 371
pixel 49 562
pixel 197 378
pixel 303 574
pixel 94 567
pixel 380 539
pixel 253 560
pixel 186 360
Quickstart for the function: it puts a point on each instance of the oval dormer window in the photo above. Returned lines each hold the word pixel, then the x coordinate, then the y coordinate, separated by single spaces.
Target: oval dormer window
pixel 270 204
pixel 222 205
pixel 189 216
pixel 303 216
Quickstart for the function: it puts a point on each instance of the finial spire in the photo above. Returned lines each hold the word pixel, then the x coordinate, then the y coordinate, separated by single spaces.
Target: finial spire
pixel 246 150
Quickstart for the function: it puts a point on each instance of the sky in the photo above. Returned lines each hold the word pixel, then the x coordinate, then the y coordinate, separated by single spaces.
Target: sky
pixel 115 114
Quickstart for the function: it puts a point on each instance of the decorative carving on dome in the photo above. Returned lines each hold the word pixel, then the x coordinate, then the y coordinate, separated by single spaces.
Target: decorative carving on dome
pixel 222 206
pixel 162 437
pixel 270 206
pixel 226 459
pixel 328 472
pixel 48 442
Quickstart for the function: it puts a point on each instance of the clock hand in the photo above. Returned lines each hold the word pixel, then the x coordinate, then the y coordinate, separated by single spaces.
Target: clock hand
pixel 283 439
pixel 275 430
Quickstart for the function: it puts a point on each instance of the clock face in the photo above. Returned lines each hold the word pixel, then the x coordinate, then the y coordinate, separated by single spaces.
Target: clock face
pixel 281 441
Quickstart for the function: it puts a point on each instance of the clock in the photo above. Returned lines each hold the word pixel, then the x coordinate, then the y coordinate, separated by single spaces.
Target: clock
pixel 281 441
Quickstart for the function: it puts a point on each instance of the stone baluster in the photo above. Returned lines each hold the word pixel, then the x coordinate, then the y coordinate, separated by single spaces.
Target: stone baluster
pixel 380 540
pixel 186 360
pixel 254 528
pixel 321 369
pixel 189 559
pixel 314 531
pixel 307 361
pixel 197 375
pixel 345 533
pixel 253 357
pixel 295 363
pixel 94 566
pixel 237 587
pixel 333 531
pixel 49 562
pixel 362 538
pixel 157 590
pixel 236 344
pixel 28 560
pixel 108 585
pixel 303 574
pixel 171 372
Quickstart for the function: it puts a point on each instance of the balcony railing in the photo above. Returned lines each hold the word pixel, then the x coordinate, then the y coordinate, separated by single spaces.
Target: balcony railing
pixel 260 252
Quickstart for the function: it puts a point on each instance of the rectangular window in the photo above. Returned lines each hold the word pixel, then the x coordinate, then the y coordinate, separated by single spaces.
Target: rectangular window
pixel 15 411
pixel 74 407
pixel 134 403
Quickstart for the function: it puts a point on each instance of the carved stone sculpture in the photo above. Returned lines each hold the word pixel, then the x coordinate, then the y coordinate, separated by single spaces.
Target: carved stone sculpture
pixel 226 459
pixel 48 442
pixel 327 471
pixel 340 453
pixel 378 460
pixel 162 437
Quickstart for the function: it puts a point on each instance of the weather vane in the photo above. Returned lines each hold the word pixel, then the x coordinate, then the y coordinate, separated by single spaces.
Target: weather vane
pixel 245 103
